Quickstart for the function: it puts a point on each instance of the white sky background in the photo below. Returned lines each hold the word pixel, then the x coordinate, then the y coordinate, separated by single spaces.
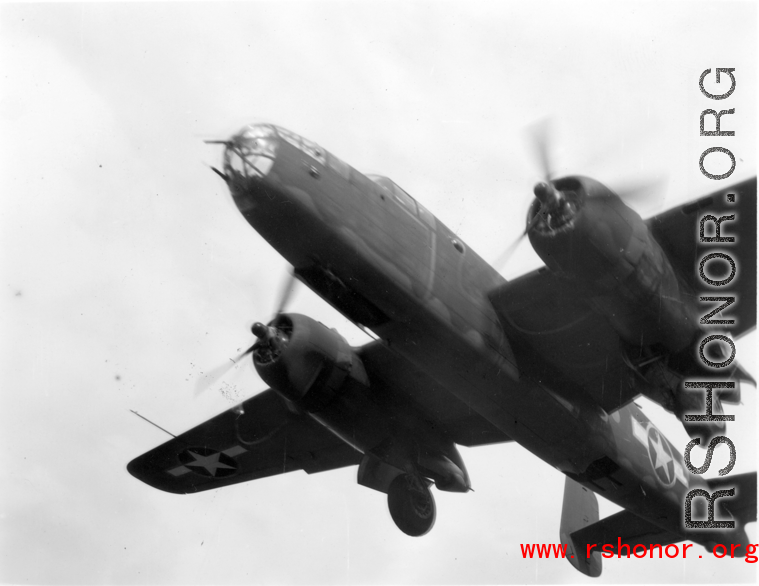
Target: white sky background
pixel 127 270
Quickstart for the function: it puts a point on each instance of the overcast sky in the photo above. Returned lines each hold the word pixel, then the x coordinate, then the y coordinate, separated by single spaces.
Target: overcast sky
pixel 127 270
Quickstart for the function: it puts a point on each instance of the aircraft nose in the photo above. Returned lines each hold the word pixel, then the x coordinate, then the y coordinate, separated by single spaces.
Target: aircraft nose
pixel 251 152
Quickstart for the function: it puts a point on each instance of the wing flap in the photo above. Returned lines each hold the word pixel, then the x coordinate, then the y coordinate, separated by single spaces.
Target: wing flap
pixel 264 439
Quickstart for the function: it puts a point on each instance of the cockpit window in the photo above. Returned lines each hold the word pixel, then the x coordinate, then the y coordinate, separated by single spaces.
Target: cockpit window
pixel 398 194
pixel 382 182
pixel 290 137
pixel 309 147
pixel 251 153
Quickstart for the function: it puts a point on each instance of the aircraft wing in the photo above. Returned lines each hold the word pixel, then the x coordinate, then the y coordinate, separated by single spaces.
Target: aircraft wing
pixel 402 389
pixel 559 340
pixel 265 440
pixel 677 232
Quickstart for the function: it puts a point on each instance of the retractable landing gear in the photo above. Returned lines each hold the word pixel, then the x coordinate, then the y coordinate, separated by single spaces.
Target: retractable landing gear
pixel 411 504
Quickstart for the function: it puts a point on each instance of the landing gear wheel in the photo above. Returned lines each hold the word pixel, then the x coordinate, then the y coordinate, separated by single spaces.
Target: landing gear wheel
pixel 411 505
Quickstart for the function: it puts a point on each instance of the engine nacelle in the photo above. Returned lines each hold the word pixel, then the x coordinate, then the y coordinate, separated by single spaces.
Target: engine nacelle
pixel 586 233
pixel 307 363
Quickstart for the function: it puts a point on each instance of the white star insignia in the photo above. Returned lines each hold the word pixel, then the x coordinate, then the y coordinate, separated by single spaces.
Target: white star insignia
pixel 210 463
pixel 662 458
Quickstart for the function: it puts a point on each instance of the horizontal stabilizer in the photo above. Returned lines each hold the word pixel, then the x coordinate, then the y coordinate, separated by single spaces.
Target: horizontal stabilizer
pixel 618 534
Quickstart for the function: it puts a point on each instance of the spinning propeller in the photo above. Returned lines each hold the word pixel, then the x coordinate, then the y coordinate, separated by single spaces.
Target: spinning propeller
pixel 265 335
pixel 551 199
pixel 544 191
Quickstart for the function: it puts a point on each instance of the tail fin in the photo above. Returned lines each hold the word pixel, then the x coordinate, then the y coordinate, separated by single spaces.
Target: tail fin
pixel 580 509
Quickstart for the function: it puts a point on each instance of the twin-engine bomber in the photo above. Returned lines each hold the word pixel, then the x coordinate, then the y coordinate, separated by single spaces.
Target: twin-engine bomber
pixel 552 360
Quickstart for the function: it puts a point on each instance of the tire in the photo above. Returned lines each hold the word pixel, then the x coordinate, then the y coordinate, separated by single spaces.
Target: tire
pixel 411 505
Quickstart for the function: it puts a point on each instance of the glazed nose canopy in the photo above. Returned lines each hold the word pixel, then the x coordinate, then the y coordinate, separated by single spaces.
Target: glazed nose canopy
pixel 251 152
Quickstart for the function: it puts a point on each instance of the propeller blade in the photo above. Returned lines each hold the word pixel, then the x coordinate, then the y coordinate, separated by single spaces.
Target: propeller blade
pixel 287 290
pixel 503 258
pixel 643 190
pixel 210 378
pixel 539 135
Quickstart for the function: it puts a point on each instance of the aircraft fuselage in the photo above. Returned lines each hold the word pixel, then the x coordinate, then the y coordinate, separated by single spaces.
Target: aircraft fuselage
pixel 387 263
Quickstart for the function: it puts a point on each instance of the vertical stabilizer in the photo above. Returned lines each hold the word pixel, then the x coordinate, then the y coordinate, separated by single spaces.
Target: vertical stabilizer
pixel 580 509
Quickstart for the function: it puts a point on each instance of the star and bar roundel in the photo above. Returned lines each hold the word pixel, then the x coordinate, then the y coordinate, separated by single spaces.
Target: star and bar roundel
pixel 208 462
pixel 660 455
pixel 665 464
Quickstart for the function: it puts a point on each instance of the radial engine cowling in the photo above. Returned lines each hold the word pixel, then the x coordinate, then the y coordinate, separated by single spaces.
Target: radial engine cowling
pixel 584 231
pixel 305 362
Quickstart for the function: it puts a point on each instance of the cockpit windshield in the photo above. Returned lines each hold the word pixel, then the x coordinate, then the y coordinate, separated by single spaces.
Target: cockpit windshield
pixel 307 146
pixel 251 152
pixel 398 194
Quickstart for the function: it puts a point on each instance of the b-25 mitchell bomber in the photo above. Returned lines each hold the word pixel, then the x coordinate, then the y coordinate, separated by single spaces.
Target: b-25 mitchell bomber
pixel 552 360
